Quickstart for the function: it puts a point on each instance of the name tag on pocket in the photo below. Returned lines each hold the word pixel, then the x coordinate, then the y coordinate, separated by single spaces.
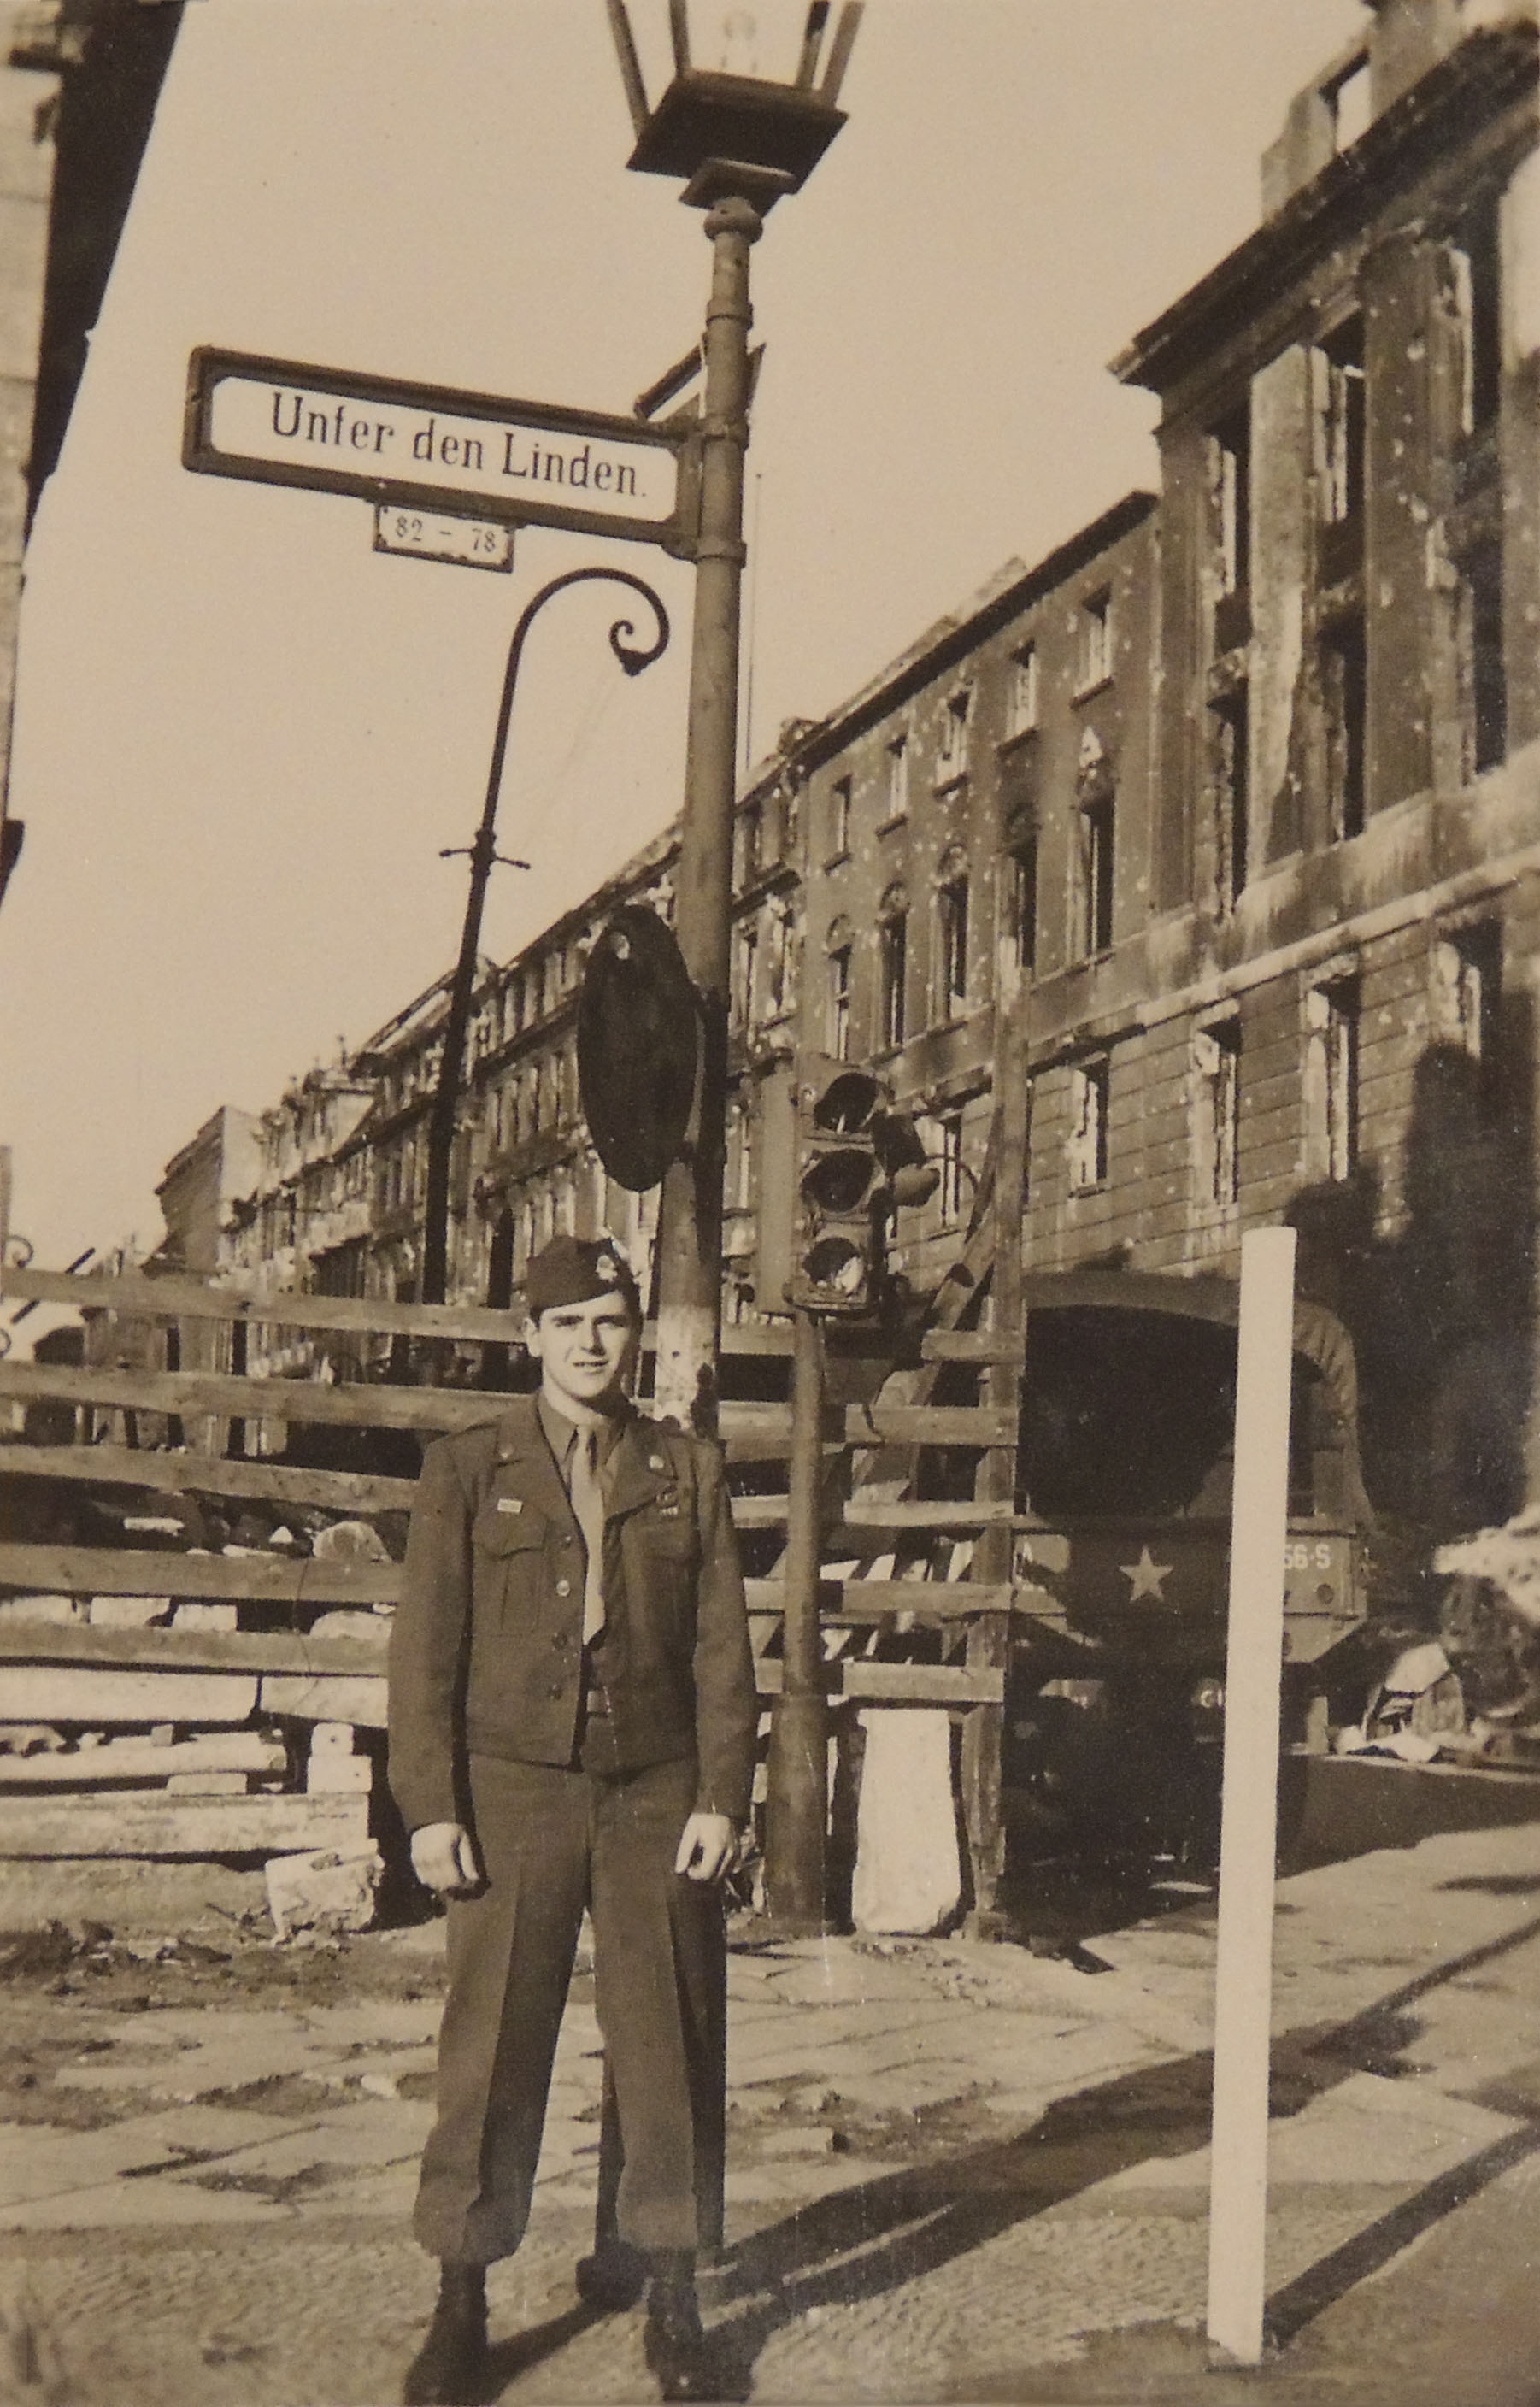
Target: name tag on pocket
pixel 510 1504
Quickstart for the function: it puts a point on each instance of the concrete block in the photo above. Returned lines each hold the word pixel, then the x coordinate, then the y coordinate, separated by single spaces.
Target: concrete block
pixel 338 1775
pixel 204 1616
pixel 323 1892
pixel 908 1873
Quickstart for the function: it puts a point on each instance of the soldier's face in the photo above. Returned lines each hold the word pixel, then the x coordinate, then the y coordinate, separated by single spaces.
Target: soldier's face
pixel 586 1351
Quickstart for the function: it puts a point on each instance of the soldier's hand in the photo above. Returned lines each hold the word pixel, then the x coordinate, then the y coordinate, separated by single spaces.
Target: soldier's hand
pixel 444 1859
pixel 707 1845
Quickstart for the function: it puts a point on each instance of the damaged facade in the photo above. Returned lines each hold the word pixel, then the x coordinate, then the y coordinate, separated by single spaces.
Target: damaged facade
pixel 1235 798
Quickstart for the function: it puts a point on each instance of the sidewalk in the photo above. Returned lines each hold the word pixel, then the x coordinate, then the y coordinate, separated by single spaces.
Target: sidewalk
pixel 956 2172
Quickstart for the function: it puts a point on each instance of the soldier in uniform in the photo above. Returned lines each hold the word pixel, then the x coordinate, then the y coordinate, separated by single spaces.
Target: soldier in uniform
pixel 572 1724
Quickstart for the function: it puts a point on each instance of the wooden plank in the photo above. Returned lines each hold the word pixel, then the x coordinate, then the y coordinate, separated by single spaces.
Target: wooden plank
pixel 908 1515
pixel 758 1512
pixel 895 1684
pixel 360 1698
pixel 125 1571
pixel 92 1695
pixel 189 1393
pixel 186 1650
pixel 189 1298
pixel 867 1600
pixel 884 1424
pixel 137 1825
pixel 208 1474
pixel 95 1767
pixel 983 1346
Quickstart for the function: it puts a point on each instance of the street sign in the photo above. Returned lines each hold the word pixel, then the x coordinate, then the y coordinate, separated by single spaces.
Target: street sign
pixel 419 534
pixel 427 448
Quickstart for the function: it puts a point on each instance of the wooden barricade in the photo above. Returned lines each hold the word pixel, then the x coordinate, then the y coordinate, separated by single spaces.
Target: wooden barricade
pixel 158 1698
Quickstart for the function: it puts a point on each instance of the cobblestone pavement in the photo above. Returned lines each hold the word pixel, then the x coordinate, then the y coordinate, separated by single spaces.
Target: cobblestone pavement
pixel 955 2172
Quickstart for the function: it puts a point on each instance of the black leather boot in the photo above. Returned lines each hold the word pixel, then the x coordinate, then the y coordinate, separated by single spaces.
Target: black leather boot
pixel 613 2278
pixel 445 2369
pixel 676 2347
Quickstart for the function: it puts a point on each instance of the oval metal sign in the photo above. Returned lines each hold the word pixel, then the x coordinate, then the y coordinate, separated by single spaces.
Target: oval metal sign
pixel 638 1047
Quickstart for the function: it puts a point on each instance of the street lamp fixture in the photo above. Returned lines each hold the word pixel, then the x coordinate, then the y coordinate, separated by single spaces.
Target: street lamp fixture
pixel 729 130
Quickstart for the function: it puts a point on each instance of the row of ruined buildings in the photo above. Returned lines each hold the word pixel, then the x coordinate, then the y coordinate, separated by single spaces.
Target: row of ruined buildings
pixel 1235 799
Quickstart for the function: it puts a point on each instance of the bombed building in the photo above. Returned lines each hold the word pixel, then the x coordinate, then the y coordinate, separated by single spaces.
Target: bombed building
pixel 1225 813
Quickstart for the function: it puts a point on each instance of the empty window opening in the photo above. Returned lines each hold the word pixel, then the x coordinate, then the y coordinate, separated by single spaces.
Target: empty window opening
pixel 1090 1097
pixel 1022 897
pixel 1232 795
pixel 1348 102
pixel 1477 259
pixel 1341 425
pixel 954 1169
pixel 752 841
pixel 1467 986
pixel 1097 832
pixel 897 795
pixel 1217 1063
pixel 745 953
pixel 893 957
pixel 1343 680
pixel 1483 673
pixel 1096 639
pixel 1232 470
pixel 952 756
pixel 952 904
pixel 1022 714
pixel 839 818
pixel 1332 1022
pixel 839 1030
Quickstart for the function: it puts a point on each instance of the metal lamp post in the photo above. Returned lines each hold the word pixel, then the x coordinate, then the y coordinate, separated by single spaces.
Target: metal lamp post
pixel 484 855
pixel 740 141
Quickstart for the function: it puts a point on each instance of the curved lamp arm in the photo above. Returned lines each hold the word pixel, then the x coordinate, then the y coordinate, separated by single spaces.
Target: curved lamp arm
pixel 633 657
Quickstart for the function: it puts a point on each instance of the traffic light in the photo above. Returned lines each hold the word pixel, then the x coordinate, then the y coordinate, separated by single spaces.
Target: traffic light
pixel 857 1160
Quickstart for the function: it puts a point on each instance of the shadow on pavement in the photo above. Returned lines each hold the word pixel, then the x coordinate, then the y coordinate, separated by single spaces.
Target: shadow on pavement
pixel 1321 2284
pixel 507 2359
pixel 861 2243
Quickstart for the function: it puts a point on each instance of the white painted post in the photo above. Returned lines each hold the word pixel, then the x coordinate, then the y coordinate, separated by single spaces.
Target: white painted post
pixel 1237 2203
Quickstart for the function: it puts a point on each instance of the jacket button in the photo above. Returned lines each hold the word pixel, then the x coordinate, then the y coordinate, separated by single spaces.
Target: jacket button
pixel 569 1540
pixel 559 1637
pixel 556 1690
pixel 564 1588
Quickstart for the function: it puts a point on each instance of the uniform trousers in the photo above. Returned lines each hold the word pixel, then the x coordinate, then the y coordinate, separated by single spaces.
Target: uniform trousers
pixel 551 1841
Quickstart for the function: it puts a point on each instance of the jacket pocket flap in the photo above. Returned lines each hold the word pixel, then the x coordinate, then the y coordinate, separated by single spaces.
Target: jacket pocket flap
pixel 498 1529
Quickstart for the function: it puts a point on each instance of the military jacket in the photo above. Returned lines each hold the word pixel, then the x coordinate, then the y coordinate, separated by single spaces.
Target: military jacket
pixel 485 1650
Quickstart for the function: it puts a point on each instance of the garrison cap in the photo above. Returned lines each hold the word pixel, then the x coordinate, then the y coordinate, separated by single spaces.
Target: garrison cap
pixel 572 1270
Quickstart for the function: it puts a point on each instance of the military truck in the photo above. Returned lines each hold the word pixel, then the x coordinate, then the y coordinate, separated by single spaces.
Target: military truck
pixel 1116 1685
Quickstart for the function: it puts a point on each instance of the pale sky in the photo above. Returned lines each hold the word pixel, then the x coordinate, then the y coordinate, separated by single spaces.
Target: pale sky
pixel 242 736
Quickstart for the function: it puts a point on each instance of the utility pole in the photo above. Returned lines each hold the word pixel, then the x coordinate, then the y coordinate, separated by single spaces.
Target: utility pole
pixel 797 1812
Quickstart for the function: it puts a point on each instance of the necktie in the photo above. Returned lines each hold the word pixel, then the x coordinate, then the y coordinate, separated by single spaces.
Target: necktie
pixel 587 1506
